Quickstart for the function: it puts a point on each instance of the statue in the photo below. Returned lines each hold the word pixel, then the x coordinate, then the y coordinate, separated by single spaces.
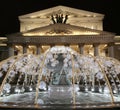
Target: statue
pixel 66 17
pixel 52 17
pixel 60 78
pixel 59 18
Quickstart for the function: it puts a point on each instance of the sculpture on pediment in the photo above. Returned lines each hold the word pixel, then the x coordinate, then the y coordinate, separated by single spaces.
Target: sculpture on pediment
pixel 59 18
pixel 66 17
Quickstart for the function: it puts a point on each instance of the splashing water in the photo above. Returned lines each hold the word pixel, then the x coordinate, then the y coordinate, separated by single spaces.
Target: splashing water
pixel 60 75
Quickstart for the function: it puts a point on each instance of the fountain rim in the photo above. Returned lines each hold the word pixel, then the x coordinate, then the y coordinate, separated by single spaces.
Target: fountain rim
pixel 85 106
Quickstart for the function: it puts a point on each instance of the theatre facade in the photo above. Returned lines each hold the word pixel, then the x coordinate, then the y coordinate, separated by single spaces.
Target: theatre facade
pixel 62 26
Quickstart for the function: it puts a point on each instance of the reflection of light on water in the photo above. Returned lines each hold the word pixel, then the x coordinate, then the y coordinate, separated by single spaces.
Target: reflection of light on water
pixel 81 97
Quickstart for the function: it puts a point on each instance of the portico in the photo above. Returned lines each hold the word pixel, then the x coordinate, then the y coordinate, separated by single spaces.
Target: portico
pixel 81 30
pixel 78 42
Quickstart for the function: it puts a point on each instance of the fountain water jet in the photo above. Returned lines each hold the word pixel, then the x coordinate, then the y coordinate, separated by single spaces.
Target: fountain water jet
pixel 60 75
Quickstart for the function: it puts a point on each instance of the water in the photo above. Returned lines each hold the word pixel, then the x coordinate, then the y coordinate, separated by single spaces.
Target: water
pixel 61 77
pixel 58 95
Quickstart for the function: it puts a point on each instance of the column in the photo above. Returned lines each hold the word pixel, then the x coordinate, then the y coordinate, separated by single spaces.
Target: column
pixel 96 50
pixel 81 48
pixel 38 50
pixel 111 49
pixel 24 48
pixel 11 50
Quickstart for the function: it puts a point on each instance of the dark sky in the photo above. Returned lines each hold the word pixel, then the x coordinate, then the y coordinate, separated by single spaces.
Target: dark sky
pixel 11 9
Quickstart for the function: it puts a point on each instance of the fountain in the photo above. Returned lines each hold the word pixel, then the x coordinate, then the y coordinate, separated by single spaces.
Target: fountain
pixel 60 77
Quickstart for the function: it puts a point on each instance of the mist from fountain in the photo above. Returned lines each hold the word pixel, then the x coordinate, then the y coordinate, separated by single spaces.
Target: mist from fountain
pixel 60 75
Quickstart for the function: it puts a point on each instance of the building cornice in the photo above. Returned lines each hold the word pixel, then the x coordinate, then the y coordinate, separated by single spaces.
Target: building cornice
pixel 61 39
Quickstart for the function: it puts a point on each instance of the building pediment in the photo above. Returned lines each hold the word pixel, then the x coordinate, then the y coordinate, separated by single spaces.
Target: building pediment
pixel 72 12
pixel 75 17
pixel 61 29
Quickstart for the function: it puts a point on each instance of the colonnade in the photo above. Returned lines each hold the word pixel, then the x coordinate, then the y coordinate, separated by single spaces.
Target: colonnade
pixel 80 46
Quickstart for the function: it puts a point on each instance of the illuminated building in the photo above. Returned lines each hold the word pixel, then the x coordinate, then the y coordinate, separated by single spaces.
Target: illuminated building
pixel 81 30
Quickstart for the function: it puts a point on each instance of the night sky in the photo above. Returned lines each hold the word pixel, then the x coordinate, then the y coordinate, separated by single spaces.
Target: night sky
pixel 11 9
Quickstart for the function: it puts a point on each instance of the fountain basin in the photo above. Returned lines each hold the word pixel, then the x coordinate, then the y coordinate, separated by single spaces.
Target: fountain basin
pixel 59 97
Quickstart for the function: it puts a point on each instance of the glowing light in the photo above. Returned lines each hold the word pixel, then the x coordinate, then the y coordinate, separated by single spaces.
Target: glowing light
pixel 100 90
pixel 17 90
pixel 86 89
pixel 30 89
pixel 92 89
pixel 42 85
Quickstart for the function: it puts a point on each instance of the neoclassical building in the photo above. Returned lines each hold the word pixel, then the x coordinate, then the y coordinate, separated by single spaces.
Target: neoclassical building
pixel 61 25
